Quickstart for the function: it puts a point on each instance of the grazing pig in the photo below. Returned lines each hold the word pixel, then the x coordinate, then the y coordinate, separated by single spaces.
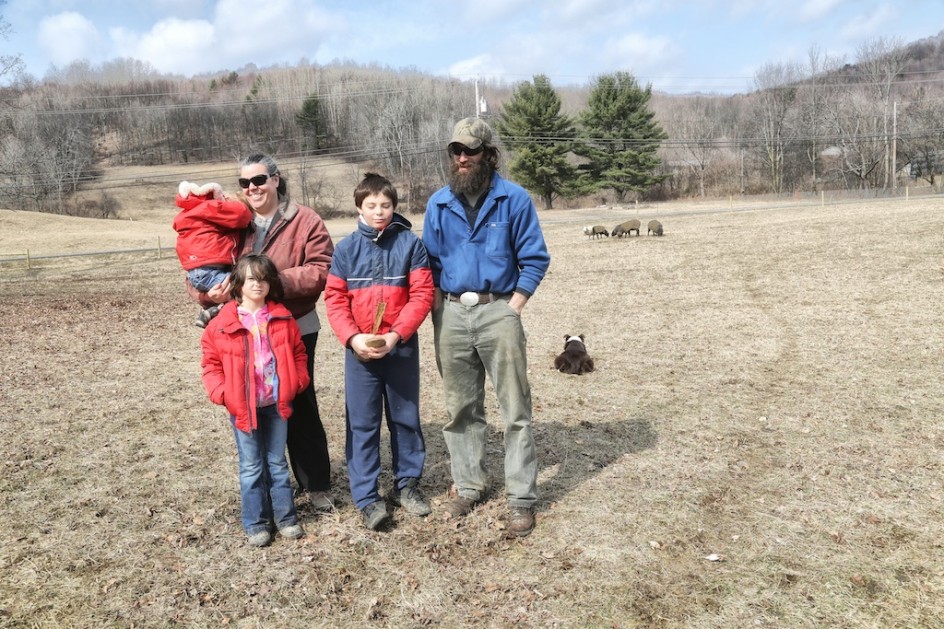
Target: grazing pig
pixel 655 228
pixel 574 359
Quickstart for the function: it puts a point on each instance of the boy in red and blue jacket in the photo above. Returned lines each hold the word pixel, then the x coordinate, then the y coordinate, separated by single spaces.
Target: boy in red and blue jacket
pixel 379 291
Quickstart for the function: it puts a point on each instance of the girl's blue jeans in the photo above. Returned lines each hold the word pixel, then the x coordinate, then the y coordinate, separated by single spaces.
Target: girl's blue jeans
pixel 264 482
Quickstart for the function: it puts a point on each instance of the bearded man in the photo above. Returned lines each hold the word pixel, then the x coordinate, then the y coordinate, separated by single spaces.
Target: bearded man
pixel 488 256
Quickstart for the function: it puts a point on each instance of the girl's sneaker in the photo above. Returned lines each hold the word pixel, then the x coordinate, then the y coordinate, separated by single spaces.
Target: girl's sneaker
pixel 260 539
pixel 292 531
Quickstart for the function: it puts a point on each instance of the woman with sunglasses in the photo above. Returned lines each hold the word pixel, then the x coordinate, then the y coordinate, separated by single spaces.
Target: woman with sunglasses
pixel 297 241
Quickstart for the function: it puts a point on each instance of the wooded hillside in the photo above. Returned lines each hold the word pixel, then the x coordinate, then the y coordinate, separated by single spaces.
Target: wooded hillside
pixel 870 124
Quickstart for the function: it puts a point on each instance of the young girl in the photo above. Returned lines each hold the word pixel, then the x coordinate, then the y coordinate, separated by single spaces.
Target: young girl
pixel 255 338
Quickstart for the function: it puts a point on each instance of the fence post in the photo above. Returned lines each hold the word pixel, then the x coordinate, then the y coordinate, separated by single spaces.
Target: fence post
pixel 28 267
pixel 159 250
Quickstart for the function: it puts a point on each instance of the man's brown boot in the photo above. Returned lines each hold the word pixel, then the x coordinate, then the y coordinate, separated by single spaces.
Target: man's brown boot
pixel 521 521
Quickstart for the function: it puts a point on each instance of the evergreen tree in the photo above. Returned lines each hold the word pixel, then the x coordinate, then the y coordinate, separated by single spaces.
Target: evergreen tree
pixel 621 137
pixel 540 137
pixel 311 121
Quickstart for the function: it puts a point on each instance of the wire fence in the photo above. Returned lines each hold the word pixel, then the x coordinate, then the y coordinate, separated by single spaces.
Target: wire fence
pixel 27 258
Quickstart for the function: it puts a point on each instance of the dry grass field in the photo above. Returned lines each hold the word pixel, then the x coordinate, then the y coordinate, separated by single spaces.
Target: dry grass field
pixel 760 446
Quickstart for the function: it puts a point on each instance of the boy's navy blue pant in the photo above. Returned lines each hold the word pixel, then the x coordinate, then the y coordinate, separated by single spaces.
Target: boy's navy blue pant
pixel 390 385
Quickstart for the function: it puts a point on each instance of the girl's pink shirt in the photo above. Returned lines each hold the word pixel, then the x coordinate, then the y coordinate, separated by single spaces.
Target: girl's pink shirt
pixel 263 360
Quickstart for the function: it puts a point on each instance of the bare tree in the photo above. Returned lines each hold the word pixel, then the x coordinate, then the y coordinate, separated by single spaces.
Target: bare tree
pixel 10 65
pixel 881 61
pixel 776 96
pixel 695 126
pixel 817 96
pixel 857 125
pixel 922 137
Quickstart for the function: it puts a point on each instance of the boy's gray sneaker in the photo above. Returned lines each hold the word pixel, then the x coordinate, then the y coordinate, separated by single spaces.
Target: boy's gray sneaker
pixel 411 498
pixel 375 514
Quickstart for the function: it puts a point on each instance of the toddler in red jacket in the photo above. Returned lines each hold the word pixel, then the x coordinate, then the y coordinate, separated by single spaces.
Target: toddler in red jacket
pixel 210 228
pixel 255 364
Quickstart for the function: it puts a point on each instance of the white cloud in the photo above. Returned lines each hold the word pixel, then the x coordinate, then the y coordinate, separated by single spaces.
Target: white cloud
pixel 240 33
pixel 640 55
pixel 69 36
pixel 483 66
pixel 172 45
pixel 813 10
pixel 867 25
pixel 482 14
pixel 577 13
pixel 274 31
pixel 180 7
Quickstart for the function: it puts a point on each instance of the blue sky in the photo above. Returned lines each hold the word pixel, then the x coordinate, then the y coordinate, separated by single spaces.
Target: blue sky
pixel 677 46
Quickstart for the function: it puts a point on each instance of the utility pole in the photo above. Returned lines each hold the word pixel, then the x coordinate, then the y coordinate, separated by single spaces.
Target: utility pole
pixel 477 100
pixel 481 105
pixel 894 147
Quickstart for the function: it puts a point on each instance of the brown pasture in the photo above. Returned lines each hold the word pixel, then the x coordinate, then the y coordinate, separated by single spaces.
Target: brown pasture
pixel 759 446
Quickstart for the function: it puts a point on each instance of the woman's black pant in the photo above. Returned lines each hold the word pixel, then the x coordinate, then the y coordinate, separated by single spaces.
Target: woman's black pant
pixel 307 441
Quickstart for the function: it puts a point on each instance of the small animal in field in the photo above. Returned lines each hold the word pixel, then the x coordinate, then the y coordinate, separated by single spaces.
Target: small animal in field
pixel 627 228
pixel 599 231
pixel 655 228
pixel 574 359
pixel 618 232
pixel 588 230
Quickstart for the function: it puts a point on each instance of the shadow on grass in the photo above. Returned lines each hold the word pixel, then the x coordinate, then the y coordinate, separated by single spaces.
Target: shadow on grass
pixel 569 453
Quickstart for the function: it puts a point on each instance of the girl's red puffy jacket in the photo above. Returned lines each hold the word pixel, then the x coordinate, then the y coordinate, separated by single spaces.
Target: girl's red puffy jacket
pixel 228 363
pixel 209 231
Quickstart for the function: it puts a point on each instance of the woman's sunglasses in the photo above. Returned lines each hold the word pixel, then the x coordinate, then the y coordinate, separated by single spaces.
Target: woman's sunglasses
pixel 458 149
pixel 257 181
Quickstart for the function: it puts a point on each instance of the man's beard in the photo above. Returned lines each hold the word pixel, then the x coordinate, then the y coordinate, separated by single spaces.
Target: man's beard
pixel 473 182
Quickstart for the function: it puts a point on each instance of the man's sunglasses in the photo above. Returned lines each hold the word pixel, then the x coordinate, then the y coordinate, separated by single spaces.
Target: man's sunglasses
pixel 458 149
pixel 257 181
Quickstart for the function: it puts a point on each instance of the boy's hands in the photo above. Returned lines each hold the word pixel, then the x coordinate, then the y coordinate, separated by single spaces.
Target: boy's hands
pixel 366 352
